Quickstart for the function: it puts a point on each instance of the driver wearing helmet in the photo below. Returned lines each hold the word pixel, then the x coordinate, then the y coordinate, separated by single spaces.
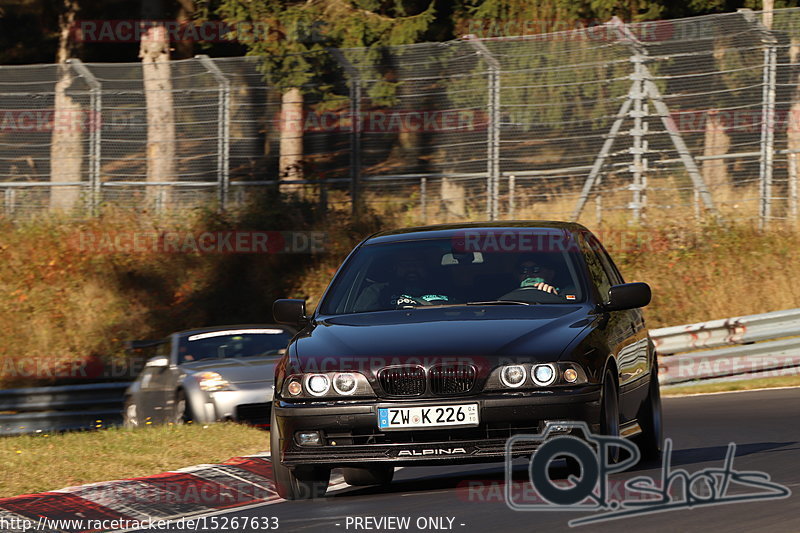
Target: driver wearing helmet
pixel 413 285
pixel 410 285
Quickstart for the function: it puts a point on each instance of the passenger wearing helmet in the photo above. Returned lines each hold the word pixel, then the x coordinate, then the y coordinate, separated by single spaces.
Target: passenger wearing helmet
pixel 532 275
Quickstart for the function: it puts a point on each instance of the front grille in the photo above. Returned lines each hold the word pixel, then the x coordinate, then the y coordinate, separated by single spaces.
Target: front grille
pixel 452 379
pixel 403 380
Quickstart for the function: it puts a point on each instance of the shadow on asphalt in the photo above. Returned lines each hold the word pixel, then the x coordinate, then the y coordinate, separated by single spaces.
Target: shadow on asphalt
pixel 494 473
pixel 717 453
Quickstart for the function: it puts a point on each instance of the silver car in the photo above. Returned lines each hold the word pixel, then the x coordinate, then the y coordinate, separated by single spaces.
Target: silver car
pixel 207 375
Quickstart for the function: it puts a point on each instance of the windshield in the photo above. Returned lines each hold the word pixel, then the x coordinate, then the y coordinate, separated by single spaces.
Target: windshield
pixel 233 343
pixel 437 272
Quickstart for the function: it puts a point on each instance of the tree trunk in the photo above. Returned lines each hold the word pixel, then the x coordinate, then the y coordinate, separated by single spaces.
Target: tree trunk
pixel 453 198
pixel 66 148
pixel 717 142
pixel 767 6
pixel 154 52
pixel 290 163
pixel 185 49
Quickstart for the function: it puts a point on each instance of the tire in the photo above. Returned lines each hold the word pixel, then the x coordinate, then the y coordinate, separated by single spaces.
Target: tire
pixel 300 483
pixel 130 414
pixel 359 477
pixel 651 439
pixel 182 412
pixel 609 414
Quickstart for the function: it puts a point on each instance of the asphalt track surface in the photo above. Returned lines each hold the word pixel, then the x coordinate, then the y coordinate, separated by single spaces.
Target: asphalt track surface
pixel 765 425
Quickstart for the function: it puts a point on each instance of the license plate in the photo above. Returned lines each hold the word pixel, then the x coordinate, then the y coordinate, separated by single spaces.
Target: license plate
pixel 428 417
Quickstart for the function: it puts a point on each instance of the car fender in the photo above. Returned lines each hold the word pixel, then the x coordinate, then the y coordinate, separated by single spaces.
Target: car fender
pixel 197 400
pixel 589 350
pixel 133 389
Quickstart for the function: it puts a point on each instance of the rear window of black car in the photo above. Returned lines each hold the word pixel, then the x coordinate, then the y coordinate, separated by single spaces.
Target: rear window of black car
pixel 417 273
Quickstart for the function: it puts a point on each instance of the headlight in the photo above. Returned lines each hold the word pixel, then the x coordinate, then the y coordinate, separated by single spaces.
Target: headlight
pixel 330 385
pixel 344 383
pixel 211 381
pixel 318 384
pixel 294 387
pixel 570 375
pixel 513 376
pixel 543 375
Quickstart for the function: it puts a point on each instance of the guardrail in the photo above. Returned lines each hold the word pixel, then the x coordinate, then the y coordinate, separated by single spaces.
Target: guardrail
pixel 743 347
pixel 67 407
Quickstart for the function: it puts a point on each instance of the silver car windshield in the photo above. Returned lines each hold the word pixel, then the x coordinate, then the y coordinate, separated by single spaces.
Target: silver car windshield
pixel 434 272
pixel 224 345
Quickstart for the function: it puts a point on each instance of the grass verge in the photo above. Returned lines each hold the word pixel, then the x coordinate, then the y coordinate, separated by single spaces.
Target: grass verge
pixel 36 463
pixel 727 386
pixel 69 306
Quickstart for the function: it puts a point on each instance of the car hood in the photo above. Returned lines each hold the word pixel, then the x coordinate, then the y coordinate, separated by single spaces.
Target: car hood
pixel 421 336
pixel 244 370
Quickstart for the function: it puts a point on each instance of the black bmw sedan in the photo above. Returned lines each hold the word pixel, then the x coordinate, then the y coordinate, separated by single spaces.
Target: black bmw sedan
pixel 437 344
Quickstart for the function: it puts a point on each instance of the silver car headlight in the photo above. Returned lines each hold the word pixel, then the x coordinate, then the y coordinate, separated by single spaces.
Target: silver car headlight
pixel 212 381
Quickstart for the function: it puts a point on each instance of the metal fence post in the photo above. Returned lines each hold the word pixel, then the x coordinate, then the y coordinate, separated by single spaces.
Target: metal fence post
pixel 793 186
pixel 355 128
pixel 766 162
pixel 766 158
pixel 160 200
pixel 95 132
pixel 512 201
pixel 652 92
pixel 493 136
pixel 223 128
pixel 9 201
pixel 638 149
pixel 423 198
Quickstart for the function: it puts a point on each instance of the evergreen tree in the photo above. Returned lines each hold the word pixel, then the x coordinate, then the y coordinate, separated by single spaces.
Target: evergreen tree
pixel 295 56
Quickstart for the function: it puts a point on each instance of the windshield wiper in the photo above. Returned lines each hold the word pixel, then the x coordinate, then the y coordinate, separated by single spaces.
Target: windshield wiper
pixel 502 302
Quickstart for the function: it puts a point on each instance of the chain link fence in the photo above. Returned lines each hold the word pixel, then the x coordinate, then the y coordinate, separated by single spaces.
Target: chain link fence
pixel 646 121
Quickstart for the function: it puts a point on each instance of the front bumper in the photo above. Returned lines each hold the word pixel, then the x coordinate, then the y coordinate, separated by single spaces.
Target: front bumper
pixel 350 433
pixel 251 405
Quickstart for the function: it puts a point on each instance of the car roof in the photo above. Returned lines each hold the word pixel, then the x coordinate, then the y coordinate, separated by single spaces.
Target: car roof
pixel 208 329
pixel 443 231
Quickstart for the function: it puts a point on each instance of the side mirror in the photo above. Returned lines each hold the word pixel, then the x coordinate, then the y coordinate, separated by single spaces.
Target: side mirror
pixel 628 296
pixel 159 361
pixel 290 311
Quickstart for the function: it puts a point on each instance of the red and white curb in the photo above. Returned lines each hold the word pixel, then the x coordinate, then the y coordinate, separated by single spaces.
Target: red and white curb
pixel 194 491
